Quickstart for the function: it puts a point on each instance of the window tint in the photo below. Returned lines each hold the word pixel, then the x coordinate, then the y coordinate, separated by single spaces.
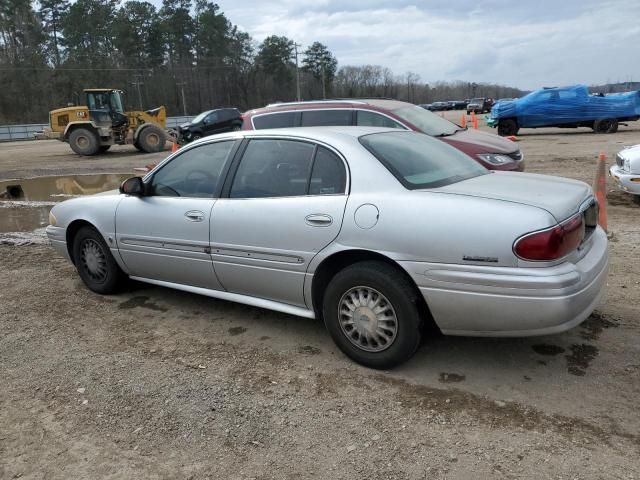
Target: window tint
pixel 273 168
pixel 371 119
pixel 274 120
pixel 567 94
pixel 213 117
pixel 328 176
pixel 319 118
pixel 194 173
pixel 418 161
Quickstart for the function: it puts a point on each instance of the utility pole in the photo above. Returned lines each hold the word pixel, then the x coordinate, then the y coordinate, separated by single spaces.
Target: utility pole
pixel 324 92
pixel 296 45
pixel 137 84
pixel 184 102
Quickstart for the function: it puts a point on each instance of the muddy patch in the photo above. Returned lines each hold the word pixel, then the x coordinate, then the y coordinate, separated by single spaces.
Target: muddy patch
pixel 141 302
pixel 581 357
pixel 236 330
pixel 309 350
pixel 451 377
pixel 545 349
pixel 618 198
pixel 593 326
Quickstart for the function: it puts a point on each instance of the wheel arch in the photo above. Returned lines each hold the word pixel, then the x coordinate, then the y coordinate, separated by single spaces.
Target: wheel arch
pixel 72 230
pixel 75 125
pixel 342 259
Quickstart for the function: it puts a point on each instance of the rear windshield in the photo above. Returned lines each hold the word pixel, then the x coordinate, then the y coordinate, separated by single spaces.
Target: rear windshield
pixel 427 122
pixel 418 161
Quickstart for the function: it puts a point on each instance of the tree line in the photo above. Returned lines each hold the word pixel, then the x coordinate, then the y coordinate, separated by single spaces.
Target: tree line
pixel 186 55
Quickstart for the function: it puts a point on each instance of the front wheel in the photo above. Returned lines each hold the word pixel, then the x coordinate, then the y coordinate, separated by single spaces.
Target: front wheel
pixel 507 127
pixel 371 311
pixel 152 139
pixel 96 266
pixel 84 141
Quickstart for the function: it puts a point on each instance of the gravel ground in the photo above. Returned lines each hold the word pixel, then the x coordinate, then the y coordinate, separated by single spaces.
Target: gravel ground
pixel 155 383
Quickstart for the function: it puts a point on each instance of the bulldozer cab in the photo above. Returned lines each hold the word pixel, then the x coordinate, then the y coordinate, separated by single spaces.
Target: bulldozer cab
pixel 105 106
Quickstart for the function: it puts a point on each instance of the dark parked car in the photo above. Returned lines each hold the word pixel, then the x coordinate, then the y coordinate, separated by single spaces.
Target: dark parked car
pixel 210 122
pixel 493 152
pixel 457 105
pixel 480 105
pixel 439 106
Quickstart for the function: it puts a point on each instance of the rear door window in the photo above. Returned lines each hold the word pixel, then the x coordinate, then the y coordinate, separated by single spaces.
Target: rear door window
pixel 274 120
pixel 328 176
pixel 273 168
pixel 328 118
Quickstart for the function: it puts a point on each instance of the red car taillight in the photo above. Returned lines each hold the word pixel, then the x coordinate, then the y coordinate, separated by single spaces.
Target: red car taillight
pixel 553 243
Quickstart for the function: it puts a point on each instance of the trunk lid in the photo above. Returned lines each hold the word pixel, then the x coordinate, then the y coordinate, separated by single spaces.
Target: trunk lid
pixel 561 197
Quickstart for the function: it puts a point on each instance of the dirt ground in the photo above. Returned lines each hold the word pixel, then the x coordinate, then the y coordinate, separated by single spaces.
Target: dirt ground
pixel 155 383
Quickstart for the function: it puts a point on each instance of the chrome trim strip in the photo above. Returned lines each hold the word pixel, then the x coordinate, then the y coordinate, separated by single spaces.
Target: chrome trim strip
pixel 234 297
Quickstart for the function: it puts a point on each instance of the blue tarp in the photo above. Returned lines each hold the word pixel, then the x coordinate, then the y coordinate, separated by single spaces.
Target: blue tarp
pixel 566 105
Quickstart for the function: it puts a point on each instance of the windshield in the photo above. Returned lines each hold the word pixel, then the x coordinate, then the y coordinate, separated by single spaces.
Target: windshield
pixel 200 117
pixel 477 100
pixel 418 161
pixel 427 122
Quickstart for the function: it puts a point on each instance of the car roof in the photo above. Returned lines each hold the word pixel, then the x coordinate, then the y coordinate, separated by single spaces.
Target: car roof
pixel 380 103
pixel 330 135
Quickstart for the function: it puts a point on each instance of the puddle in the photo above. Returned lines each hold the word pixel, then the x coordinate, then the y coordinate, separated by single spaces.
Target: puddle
pixel 25 204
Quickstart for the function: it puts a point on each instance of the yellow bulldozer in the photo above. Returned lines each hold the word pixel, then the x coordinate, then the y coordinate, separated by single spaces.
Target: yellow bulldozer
pixel 103 122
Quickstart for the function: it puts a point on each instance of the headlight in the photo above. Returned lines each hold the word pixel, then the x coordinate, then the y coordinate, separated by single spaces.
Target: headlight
pixel 495 158
pixel 52 219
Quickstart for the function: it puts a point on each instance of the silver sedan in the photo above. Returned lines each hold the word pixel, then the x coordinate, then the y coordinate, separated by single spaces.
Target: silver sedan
pixel 378 232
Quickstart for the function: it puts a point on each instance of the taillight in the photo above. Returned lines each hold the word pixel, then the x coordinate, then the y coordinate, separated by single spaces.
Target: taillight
pixel 553 243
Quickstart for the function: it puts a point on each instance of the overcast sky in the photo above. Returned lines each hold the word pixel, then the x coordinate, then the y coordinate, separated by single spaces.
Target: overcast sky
pixel 526 44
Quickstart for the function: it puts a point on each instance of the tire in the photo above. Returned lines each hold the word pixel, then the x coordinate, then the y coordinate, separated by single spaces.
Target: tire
pixel 236 128
pixel 636 199
pixel 614 126
pixel 195 136
pixel 507 127
pixel 377 282
pixel 94 262
pixel 84 141
pixel 137 145
pixel 605 126
pixel 104 148
pixel 151 139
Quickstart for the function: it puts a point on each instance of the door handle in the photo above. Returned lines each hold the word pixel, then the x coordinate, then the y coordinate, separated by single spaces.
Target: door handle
pixel 194 215
pixel 318 220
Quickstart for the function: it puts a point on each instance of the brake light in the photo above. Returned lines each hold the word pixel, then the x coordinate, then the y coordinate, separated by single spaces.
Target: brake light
pixel 552 243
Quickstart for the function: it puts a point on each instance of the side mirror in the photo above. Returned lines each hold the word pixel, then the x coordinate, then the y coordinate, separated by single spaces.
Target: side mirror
pixel 132 186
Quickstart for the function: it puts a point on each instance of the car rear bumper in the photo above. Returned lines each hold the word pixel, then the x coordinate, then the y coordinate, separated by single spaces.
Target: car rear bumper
pixel 623 179
pixel 514 302
pixel 58 239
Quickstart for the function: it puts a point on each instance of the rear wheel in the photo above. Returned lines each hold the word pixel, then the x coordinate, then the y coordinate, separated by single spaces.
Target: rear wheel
pixel 151 139
pixel 371 311
pixel 507 127
pixel 96 266
pixel 606 125
pixel 84 141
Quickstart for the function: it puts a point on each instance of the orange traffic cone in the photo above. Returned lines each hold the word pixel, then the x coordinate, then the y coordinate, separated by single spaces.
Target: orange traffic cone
pixel 600 190
pixel 474 120
pixel 174 146
pixel 463 123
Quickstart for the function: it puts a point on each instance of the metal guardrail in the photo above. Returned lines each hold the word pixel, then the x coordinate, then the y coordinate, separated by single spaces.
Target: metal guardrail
pixel 12 133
